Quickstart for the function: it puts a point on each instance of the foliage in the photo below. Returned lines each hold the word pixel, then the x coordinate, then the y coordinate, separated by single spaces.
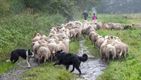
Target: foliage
pixel 64 7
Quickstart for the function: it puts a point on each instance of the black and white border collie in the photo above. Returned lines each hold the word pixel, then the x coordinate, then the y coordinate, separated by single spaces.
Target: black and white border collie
pixel 23 53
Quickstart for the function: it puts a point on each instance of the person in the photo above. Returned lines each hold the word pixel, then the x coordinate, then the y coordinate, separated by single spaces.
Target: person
pixel 94 18
pixel 85 15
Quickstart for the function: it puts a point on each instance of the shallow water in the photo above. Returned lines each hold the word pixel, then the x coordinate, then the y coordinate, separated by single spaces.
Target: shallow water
pixel 19 69
pixel 92 68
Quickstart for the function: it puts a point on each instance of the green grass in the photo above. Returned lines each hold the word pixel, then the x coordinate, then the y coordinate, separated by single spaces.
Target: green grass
pixel 74 46
pixel 5 66
pixel 118 18
pixel 48 72
pixel 113 18
pixel 92 49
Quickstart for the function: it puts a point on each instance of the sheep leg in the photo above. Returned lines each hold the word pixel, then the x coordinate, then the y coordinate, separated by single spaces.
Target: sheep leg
pixel 119 56
pixel 114 54
pixel 45 59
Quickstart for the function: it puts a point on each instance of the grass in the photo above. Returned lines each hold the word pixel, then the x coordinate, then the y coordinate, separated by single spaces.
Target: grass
pixel 48 72
pixel 74 46
pixel 118 18
pixel 92 49
pixel 5 66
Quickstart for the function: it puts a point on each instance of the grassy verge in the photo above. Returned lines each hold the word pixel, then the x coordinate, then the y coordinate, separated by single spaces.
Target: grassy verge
pixel 48 72
pixel 5 66
pixel 92 49
pixel 118 18
pixel 74 46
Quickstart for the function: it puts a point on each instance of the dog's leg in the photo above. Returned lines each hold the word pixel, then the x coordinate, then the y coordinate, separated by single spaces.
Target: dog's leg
pixel 77 67
pixel 67 67
pixel 72 69
pixel 27 61
pixel 27 58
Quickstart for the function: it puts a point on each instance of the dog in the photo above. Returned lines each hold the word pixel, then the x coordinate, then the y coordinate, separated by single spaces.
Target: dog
pixel 23 53
pixel 68 59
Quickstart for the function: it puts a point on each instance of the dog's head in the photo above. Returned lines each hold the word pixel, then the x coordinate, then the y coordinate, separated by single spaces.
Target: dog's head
pixel 58 54
pixel 30 53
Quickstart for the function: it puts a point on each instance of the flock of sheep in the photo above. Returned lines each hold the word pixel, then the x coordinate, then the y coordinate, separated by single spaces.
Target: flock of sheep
pixel 110 47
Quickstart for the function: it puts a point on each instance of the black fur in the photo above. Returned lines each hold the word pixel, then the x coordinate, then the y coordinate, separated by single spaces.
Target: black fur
pixel 15 54
pixel 68 59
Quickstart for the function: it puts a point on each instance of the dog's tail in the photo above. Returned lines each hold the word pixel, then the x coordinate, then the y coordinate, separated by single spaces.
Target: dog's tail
pixel 83 58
